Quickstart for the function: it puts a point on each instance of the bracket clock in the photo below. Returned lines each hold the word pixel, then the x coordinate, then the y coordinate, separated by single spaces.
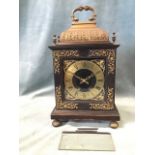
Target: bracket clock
pixel 84 61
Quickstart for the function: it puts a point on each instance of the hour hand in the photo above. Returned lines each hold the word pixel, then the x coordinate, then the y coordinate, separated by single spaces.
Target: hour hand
pixel 78 77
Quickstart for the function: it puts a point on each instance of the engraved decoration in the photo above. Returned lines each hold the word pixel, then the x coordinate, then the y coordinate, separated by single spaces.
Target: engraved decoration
pixel 111 56
pixel 63 105
pixel 98 53
pixel 100 63
pixel 100 96
pixel 84 35
pixel 104 106
pixel 67 64
pixel 111 61
pixel 57 55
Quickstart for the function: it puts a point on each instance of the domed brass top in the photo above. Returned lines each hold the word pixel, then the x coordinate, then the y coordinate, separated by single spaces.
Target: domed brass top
pixel 84 32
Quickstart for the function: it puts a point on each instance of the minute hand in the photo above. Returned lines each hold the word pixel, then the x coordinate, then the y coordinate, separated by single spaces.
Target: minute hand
pixel 89 77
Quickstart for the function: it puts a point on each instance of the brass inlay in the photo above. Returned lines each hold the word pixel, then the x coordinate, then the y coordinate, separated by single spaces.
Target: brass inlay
pixel 110 95
pixel 63 105
pixel 109 53
pixel 98 53
pixel 57 55
pixel 111 56
pixel 56 64
pixel 111 61
pixel 104 106
pixel 93 106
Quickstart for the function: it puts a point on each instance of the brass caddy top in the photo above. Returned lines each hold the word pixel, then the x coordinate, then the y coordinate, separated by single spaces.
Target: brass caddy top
pixel 84 32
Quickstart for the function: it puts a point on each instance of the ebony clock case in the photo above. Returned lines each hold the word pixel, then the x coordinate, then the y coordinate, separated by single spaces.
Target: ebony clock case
pixel 85 113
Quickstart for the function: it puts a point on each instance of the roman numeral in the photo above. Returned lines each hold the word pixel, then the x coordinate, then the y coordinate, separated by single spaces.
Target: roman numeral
pixel 100 80
pixel 70 87
pixel 84 64
pixel 75 66
pixel 67 80
pixel 98 88
pixel 76 93
pixel 84 96
pixel 98 72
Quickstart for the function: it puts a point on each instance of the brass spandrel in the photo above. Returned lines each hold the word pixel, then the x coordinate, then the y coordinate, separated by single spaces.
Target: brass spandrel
pixel 57 55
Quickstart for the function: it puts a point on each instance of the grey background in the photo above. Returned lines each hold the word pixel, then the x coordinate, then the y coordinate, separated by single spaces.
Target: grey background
pixel 40 19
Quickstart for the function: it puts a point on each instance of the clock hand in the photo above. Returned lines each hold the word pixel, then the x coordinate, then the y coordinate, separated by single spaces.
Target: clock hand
pixel 89 77
pixel 78 77
pixel 82 80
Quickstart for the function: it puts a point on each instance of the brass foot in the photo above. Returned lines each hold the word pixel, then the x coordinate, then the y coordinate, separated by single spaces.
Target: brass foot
pixel 114 125
pixel 56 123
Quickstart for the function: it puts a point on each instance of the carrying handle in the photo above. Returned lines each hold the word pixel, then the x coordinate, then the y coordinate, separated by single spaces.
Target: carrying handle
pixel 85 8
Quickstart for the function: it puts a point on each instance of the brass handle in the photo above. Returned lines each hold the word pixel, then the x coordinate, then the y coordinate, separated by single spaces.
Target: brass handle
pixel 86 8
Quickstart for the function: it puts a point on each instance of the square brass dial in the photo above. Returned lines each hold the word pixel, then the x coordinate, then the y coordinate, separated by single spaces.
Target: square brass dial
pixel 84 79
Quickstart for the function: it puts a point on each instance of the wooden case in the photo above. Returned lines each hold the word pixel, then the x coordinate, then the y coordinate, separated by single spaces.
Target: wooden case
pixel 75 48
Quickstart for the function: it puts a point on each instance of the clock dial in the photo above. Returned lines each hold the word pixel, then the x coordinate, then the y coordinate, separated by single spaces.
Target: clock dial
pixel 83 80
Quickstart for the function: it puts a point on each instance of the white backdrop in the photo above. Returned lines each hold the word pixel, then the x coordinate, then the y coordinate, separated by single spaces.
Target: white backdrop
pixel 39 20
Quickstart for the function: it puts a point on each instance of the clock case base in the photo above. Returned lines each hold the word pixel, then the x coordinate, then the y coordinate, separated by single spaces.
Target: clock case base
pixel 66 115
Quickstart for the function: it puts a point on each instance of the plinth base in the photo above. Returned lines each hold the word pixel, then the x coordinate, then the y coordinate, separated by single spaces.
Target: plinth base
pixel 60 116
